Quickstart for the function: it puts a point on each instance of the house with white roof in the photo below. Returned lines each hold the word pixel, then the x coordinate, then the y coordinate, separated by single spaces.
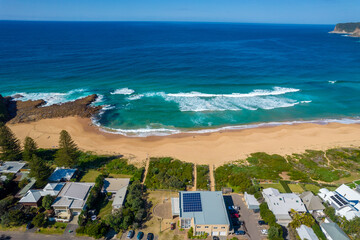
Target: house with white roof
pixel 62 174
pixel 118 188
pixel 306 233
pixel 281 204
pixel 251 202
pixel 71 200
pixel 33 196
pixel 345 200
pixel 11 166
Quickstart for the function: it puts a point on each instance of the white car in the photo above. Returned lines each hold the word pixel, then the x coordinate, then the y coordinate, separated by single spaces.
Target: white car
pixel 264 231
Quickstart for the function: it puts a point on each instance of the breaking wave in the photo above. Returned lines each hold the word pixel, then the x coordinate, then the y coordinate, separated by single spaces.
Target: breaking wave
pixel 52 97
pixel 123 91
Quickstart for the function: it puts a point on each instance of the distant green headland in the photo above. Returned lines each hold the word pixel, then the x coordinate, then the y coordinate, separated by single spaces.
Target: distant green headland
pixel 348 28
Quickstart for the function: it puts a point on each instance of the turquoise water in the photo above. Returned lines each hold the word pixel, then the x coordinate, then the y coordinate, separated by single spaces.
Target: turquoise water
pixel 163 78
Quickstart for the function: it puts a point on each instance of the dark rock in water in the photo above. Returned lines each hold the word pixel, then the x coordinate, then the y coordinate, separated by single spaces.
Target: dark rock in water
pixel 28 111
pixel 17 96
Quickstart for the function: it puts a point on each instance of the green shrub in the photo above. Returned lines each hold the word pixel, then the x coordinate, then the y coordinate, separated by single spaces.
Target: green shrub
pixel 202 181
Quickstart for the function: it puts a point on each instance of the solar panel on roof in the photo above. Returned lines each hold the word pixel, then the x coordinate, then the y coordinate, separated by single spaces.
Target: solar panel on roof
pixel 341 199
pixel 337 201
pixel 192 202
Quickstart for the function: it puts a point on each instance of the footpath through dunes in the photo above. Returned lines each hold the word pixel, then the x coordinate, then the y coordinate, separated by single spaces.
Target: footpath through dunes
pixel 211 149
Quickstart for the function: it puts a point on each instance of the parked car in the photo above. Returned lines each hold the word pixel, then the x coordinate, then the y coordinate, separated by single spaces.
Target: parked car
pixel 235 215
pixel 236 222
pixel 240 232
pixel 173 226
pixel 262 222
pixel 140 236
pixel 29 225
pixel 150 236
pixel 216 238
pixel 264 231
pixel 130 234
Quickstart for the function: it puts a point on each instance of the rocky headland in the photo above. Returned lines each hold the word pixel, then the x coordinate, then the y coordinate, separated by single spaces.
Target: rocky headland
pixel 28 111
pixel 353 29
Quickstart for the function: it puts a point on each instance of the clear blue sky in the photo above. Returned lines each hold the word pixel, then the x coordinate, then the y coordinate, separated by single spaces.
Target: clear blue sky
pixel 256 11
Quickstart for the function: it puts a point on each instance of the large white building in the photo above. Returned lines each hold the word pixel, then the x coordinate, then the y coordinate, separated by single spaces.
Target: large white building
pixel 282 203
pixel 345 200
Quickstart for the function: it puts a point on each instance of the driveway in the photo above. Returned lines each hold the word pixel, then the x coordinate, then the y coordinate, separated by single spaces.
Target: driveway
pixel 249 218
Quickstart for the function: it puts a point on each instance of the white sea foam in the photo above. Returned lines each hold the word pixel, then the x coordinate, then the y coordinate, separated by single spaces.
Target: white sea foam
pixel 148 131
pixel 332 82
pixel 123 91
pixel 52 97
pixel 255 93
pixel 135 97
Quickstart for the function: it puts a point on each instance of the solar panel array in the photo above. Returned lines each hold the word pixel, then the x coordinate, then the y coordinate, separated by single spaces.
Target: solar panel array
pixel 192 202
pixel 339 201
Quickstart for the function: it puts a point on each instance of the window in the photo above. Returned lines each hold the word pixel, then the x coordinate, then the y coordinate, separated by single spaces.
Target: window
pixel 215 227
pixel 198 227
pixel 206 226
pixel 222 227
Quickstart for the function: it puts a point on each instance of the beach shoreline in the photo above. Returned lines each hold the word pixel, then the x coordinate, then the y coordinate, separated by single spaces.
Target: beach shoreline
pixel 214 148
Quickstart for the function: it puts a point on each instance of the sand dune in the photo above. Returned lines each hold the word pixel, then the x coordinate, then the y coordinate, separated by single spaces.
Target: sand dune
pixel 215 148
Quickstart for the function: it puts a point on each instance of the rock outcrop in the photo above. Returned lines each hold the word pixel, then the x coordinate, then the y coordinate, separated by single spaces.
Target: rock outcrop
pixel 28 111
pixel 353 29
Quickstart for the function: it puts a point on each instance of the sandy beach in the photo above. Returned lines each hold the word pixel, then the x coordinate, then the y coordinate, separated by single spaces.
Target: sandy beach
pixel 215 148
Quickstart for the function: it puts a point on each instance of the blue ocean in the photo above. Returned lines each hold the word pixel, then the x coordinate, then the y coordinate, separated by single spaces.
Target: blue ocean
pixel 160 78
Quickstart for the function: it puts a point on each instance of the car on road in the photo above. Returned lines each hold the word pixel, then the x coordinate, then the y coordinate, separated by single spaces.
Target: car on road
pixel 264 231
pixel 140 235
pixel 130 234
pixel 29 225
pixel 262 222
pixel 150 236
pixel 240 232
pixel 216 238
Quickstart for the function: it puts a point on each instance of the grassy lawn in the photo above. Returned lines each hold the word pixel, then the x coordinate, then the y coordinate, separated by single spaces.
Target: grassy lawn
pixel 90 176
pixel 277 186
pixel 313 188
pixel 106 210
pixel 20 228
pixel 351 185
pixel 357 182
pixel 115 175
pixel 56 228
pixel 153 225
pixel 295 188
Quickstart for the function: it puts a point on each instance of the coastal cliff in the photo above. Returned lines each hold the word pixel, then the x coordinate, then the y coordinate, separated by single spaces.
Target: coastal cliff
pixel 353 29
pixel 28 111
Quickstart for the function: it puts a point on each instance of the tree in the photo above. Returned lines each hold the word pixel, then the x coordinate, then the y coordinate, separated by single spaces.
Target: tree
pixel 39 220
pixel 9 144
pixel 47 201
pixel 30 148
pixel 275 232
pixel 301 219
pixel 39 170
pixel 13 218
pixel 67 154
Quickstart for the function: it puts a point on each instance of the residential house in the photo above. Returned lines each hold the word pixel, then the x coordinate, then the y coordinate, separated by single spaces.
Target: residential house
pixel 118 188
pixel 306 233
pixel 32 197
pixel 282 203
pixel 344 199
pixel 11 166
pixel 204 211
pixel 313 203
pixel 71 200
pixel 332 231
pixel 251 202
pixel 62 175
pixel 25 189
